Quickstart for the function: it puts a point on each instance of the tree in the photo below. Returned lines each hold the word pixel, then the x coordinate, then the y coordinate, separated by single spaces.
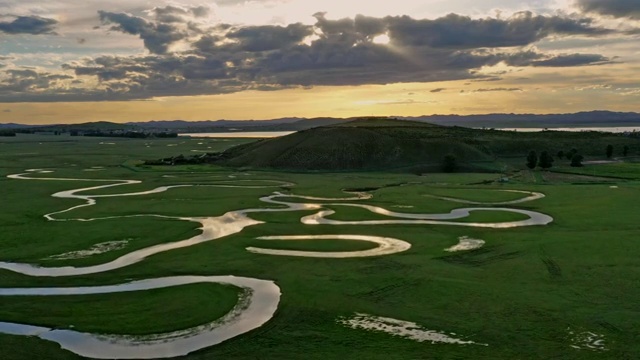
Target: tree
pixel 570 154
pixel 450 163
pixel 625 151
pixel 609 151
pixel 532 160
pixel 545 161
pixel 577 160
pixel 560 154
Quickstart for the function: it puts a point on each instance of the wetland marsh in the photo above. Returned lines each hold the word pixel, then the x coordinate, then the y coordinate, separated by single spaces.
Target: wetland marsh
pixel 325 258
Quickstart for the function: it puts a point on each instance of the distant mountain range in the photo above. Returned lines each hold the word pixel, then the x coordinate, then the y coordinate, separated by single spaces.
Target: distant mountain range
pixel 581 119
pixel 13 126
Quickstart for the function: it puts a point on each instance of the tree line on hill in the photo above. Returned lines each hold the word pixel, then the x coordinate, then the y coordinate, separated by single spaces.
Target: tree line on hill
pixel 97 133
pixel 127 134
pixel 545 160
pixel 186 160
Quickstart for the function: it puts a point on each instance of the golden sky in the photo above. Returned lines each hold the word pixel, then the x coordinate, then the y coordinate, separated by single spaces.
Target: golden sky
pixel 136 61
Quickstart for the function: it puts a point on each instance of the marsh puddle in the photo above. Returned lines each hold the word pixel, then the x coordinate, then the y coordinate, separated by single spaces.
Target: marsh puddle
pixel 587 340
pixel 96 249
pixel 466 243
pixel 403 329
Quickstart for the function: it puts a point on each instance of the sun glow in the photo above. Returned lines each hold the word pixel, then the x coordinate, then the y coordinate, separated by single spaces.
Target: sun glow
pixel 383 39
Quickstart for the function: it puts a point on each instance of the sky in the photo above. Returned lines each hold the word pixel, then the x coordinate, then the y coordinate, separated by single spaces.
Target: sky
pixel 65 61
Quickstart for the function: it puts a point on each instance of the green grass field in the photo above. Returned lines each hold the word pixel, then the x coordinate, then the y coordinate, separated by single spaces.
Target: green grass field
pixel 527 294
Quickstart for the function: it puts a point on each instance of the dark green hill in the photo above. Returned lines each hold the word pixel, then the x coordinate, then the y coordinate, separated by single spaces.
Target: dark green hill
pixel 359 145
pixel 384 144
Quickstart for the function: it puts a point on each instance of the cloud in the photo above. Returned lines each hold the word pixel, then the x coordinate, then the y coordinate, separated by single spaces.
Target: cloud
pixel 6 110
pixel 616 8
pixel 536 59
pixel 157 36
pixel 32 25
pixel 175 14
pixel 394 102
pixel 25 80
pixel 266 38
pixel 495 90
pixel 572 60
pixel 594 87
pixel 437 90
pixel 229 58
pixel 456 31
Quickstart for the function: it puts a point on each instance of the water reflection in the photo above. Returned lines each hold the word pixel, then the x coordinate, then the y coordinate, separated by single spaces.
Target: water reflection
pixel 386 246
pixel 257 304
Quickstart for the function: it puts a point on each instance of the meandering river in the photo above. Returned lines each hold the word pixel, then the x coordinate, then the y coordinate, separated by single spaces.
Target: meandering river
pixel 260 297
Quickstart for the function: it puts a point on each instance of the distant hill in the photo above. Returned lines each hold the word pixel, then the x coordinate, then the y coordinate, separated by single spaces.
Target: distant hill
pixel 183 124
pixel 582 119
pixel 13 126
pixel 90 126
pixel 385 144
pixel 284 124
pixel 357 145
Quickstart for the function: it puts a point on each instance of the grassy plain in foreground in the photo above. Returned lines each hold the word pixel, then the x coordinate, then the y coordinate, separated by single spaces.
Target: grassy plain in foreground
pixel 522 293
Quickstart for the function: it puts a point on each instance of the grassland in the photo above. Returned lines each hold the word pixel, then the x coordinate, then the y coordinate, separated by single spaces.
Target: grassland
pixel 522 294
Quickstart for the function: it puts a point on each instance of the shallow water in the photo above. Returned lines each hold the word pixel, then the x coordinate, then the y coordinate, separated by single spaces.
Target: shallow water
pixel 618 129
pixel 96 249
pixel 400 328
pixel 241 134
pixel 466 243
pixel 386 246
pixel 587 340
pixel 535 219
pixel 532 196
pixel 256 306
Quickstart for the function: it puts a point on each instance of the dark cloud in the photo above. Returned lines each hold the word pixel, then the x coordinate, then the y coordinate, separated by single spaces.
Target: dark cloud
pixel 616 8
pixel 437 90
pixel 170 25
pixel 571 60
pixel 175 14
pixel 536 59
pixel 227 58
pixel 265 38
pixel 33 25
pixel 6 110
pixel 20 81
pixel 157 37
pixel 170 14
pixel 200 11
pixel 461 32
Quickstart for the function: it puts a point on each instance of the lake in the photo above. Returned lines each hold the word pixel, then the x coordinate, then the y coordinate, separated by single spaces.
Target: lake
pixel 620 129
pixel 239 134
pixel 275 134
